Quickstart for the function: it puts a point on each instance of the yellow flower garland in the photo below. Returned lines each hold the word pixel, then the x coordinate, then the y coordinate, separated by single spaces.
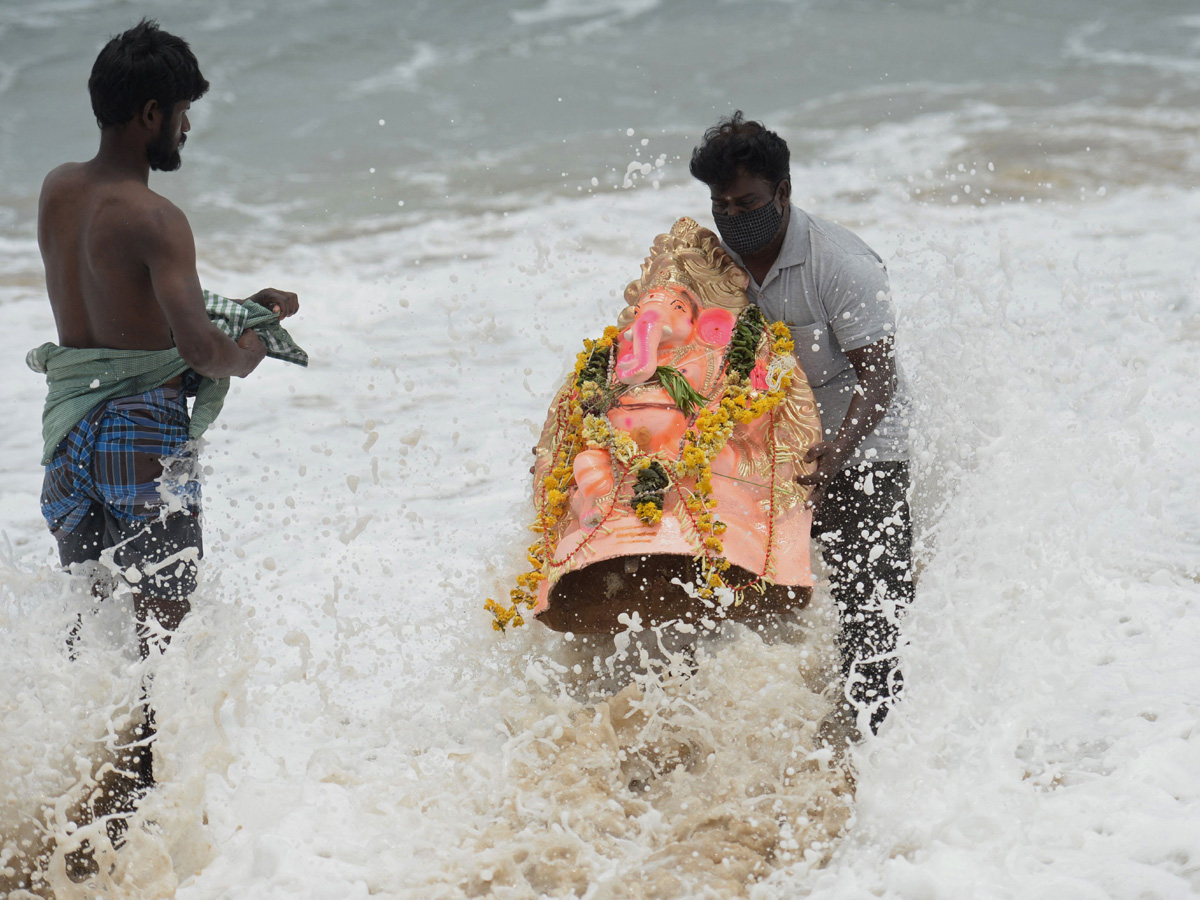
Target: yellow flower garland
pixel 738 404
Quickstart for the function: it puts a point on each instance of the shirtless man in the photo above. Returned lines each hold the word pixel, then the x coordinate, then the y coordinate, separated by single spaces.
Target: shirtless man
pixel 121 275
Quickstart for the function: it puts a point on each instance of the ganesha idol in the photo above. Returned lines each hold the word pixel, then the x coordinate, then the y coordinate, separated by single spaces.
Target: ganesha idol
pixel 664 481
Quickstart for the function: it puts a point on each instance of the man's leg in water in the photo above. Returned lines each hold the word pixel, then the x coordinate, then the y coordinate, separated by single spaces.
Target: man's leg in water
pixel 175 545
pixel 864 527
pixel 165 552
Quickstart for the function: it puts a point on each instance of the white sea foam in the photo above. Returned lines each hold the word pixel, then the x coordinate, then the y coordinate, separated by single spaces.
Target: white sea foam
pixel 1081 44
pixel 557 10
pixel 404 75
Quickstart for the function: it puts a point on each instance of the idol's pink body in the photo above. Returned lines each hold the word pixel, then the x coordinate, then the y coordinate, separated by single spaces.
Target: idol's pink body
pixel 602 541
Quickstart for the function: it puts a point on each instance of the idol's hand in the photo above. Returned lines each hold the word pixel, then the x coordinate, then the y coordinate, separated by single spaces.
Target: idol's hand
pixel 282 303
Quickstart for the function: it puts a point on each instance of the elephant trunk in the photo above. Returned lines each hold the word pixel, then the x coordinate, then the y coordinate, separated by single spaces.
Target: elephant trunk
pixel 639 362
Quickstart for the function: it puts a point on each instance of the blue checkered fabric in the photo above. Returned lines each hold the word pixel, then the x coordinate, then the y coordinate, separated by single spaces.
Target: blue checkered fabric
pixel 98 460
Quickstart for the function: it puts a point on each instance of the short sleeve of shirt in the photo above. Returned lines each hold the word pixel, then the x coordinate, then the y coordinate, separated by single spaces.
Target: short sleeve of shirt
pixel 858 301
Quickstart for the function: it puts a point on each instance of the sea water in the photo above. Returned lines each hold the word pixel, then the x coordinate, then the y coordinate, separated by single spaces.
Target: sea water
pixel 459 192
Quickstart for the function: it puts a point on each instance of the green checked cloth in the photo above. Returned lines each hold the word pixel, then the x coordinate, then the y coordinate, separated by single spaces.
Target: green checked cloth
pixel 80 380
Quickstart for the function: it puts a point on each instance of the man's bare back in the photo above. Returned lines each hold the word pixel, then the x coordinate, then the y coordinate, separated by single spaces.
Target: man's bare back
pixel 121 260
pixel 97 228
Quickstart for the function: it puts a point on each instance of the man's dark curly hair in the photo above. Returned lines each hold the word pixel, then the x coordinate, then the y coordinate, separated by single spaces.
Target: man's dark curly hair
pixel 733 144
pixel 143 64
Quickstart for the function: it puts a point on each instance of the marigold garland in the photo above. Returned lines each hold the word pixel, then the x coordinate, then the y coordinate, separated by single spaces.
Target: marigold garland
pixel 585 424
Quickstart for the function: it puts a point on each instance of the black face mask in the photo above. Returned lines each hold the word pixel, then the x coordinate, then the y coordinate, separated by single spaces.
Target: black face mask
pixel 749 231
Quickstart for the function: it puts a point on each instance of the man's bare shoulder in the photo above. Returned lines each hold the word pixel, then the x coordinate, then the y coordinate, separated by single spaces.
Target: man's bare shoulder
pixel 61 182
pixel 59 173
pixel 163 225
pixel 130 199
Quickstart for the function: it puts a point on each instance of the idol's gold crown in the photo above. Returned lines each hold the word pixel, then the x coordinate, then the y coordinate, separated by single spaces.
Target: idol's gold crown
pixel 691 256
pixel 670 272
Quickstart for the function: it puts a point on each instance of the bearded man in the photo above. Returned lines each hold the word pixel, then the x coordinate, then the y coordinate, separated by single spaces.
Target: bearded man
pixel 136 337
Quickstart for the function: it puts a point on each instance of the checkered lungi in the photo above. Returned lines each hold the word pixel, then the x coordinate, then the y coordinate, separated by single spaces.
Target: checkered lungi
pixel 123 479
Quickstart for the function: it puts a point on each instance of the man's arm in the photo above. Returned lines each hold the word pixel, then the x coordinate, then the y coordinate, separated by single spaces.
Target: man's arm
pixel 875 366
pixel 171 259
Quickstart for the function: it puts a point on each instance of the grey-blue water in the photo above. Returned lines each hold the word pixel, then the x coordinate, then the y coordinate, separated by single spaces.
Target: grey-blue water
pixel 334 117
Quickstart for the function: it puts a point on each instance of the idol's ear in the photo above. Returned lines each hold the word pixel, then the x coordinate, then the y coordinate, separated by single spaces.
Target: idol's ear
pixel 715 326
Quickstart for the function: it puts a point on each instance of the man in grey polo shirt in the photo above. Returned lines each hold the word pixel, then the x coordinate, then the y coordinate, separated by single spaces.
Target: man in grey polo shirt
pixel 831 289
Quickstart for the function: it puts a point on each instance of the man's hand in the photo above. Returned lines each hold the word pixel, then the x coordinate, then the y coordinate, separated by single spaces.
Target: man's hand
pixel 875 367
pixel 829 457
pixel 252 344
pixel 282 303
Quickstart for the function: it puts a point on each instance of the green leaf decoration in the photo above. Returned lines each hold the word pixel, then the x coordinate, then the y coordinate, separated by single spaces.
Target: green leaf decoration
pixel 743 347
pixel 597 367
pixel 682 394
pixel 651 482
